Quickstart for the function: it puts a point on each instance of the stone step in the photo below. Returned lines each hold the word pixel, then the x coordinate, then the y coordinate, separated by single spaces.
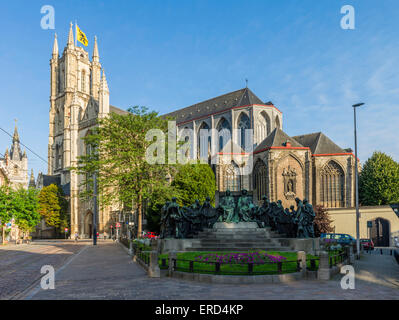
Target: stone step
pixel 251 239
pixel 235 249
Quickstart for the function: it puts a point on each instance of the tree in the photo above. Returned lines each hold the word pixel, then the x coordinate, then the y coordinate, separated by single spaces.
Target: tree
pixel 25 208
pixel 194 181
pixel 322 221
pixel 118 157
pixel 379 181
pixel 53 207
pixel 5 207
pixel 160 195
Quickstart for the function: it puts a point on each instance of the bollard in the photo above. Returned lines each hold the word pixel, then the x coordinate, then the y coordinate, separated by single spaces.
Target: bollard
pixel 153 270
pixel 172 255
pixel 324 267
pixel 301 255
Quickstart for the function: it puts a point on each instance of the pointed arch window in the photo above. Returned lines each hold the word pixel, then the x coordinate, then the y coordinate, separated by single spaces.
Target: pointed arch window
pixel 260 176
pixel 243 124
pixel 232 177
pixel 83 81
pixel 204 141
pixel 332 185
pixel 224 133
pixel 277 122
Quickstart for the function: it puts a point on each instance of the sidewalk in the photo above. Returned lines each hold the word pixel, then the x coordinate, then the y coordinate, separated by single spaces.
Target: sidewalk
pixel 107 272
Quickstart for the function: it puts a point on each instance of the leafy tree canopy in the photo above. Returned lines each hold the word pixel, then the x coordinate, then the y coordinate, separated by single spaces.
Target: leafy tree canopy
pixel 194 181
pixel 379 180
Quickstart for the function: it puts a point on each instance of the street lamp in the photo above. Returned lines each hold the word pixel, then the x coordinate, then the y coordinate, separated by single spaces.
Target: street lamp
pixel 357 185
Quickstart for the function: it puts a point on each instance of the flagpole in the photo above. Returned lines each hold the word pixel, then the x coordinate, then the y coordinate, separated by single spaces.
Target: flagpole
pixel 76 33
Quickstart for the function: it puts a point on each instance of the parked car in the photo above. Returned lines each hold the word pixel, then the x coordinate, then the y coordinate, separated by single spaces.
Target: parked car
pixel 396 242
pixel 340 238
pixel 367 244
pixel 150 235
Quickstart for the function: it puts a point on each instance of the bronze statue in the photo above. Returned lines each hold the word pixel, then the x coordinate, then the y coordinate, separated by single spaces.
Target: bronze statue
pixel 227 209
pixel 245 207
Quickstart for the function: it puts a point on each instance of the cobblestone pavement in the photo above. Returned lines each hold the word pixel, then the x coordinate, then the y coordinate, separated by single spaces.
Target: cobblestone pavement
pixel 107 272
pixel 20 264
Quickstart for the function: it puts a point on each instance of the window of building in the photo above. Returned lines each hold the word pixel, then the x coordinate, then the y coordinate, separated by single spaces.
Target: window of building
pixel 260 179
pixel 243 124
pixel 332 183
pixel 224 133
pixel 232 177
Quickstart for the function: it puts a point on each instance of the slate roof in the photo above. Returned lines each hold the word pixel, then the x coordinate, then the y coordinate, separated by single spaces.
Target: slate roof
pixel 117 110
pixel 319 143
pixel 226 101
pixel 277 138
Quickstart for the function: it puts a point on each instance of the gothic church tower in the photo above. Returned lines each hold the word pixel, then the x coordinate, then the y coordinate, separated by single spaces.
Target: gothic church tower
pixel 78 96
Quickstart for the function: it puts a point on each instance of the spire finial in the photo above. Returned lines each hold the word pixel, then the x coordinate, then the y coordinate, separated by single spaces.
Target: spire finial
pixel 55 46
pixel 70 36
pixel 96 56
pixel 16 135
pixel 103 83
pixel 246 83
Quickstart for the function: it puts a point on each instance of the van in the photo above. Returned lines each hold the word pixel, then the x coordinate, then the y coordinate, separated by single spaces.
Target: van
pixel 340 238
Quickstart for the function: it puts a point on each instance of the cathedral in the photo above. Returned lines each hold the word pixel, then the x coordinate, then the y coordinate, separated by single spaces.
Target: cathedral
pixel 78 96
pixel 282 167
pixel 14 165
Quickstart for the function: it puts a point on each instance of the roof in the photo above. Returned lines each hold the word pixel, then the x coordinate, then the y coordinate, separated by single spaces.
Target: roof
pixel 242 97
pixel 277 138
pixel 117 110
pixel 319 143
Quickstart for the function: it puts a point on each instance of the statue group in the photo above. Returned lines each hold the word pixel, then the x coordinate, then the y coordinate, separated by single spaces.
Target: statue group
pixel 186 222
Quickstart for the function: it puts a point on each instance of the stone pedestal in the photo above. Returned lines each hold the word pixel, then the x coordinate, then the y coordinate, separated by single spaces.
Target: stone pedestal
pixel 239 225
pixel 302 256
pixel 324 267
pixel 153 269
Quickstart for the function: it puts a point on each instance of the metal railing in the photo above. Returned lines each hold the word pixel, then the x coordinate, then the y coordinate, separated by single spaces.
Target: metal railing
pixel 248 268
pixel 337 258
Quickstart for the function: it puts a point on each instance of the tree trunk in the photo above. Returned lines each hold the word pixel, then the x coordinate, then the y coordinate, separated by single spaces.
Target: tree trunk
pixel 139 220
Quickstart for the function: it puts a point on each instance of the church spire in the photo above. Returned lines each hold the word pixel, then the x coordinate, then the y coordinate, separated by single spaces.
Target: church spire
pixel 70 36
pixel 104 83
pixel 32 183
pixel 15 137
pixel 55 47
pixel 96 57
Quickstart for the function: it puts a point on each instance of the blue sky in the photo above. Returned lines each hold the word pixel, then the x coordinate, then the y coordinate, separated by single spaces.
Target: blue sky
pixel 170 54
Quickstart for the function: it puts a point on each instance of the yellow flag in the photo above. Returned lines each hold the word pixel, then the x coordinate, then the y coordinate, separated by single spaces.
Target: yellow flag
pixel 81 37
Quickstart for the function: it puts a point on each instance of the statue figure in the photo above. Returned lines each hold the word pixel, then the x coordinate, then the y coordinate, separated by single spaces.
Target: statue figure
pixel 264 214
pixel 301 219
pixel 196 218
pixel 208 214
pixel 163 228
pixel 186 223
pixel 227 209
pixel 294 226
pixel 309 218
pixel 171 220
pixel 245 207
pixel 280 217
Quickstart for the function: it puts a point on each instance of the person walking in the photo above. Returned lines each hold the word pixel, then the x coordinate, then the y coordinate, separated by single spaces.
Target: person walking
pixel 76 236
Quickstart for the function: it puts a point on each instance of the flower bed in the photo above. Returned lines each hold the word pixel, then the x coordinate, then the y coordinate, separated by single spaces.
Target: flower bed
pixel 237 263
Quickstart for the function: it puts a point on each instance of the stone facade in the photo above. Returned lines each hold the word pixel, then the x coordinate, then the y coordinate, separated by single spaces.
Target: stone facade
pixel 269 162
pixel 79 95
pixel 14 165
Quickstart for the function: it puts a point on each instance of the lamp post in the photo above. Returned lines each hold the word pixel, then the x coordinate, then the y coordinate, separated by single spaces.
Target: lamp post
pixel 357 185
pixel 95 210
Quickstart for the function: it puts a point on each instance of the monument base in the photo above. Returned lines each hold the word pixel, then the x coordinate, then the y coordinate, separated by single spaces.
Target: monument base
pixel 232 225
